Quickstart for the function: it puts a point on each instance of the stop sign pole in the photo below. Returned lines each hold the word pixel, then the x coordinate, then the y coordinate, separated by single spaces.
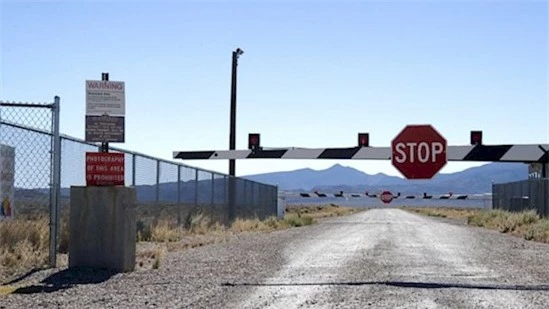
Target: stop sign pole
pixel 419 152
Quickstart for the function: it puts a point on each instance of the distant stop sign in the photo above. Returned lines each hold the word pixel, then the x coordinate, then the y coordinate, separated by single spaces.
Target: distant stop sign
pixel 419 152
pixel 386 197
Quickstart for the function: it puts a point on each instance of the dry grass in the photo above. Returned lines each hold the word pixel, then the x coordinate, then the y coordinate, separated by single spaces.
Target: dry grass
pixel 453 213
pixel 317 212
pixel 526 224
pixel 167 230
pixel 24 242
pixel 165 235
pixel 168 236
pixel 254 225
pixel 150 258
pixel 538 231
pixel 271 223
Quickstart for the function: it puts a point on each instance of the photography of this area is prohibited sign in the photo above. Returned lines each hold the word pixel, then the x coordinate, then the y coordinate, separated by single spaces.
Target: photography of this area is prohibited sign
pixel 105 98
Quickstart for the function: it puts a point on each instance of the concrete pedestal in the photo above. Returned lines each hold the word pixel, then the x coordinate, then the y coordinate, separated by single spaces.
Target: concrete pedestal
pixel 102 228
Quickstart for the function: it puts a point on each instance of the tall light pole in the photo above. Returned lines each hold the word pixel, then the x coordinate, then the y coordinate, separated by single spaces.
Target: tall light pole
pixel 232 138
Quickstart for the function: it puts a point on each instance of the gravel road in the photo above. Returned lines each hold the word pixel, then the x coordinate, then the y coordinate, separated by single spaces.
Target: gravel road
pixel 381 258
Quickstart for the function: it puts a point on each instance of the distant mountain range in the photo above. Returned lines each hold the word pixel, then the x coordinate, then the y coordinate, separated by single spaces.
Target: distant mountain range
pixel 332 180
pixel 347 179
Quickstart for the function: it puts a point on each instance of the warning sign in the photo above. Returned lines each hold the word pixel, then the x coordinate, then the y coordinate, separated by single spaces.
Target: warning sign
pixel 104 169
pixel 104 129
pixel 105 98
pixel 105 110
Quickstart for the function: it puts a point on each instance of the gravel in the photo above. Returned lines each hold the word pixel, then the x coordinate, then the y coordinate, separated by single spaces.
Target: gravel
pixel 379 258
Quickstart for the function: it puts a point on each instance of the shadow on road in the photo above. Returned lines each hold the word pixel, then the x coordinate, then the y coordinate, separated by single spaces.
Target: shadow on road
pixel 66 279
pixel 411 284
pixel 23 276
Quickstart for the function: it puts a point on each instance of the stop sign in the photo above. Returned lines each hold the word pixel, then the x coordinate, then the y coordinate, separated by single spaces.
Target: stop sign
pixel 419 152
pixel 386 197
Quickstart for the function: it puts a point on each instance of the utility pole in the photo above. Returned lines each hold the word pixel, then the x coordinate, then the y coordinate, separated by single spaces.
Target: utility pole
pixel 232 135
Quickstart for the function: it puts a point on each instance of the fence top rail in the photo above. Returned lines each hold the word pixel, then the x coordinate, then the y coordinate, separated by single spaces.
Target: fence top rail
pixel 81 141
pixel 521 181
pixel 24 104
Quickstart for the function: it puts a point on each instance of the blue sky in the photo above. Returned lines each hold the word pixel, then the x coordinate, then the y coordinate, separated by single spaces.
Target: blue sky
pixel 313 74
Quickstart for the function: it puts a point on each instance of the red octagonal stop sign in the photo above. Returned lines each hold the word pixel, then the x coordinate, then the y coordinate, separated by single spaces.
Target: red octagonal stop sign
pixel 386 197
pixel 419 152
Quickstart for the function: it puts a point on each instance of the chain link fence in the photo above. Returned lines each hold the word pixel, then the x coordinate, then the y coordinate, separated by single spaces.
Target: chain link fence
pixel 522 195
pixel 29 137
pixel 171 190
pixel 166 190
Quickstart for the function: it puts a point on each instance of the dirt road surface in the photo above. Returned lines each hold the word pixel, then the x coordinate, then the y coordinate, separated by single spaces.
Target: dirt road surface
pixel 381 258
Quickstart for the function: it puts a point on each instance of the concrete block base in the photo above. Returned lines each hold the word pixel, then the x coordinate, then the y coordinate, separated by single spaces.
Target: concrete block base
pixel 102 228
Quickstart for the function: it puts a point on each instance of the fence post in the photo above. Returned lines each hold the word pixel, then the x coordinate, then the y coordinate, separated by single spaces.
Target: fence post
pixel 532 196
pixel 157 181
pixel 545 193
pixel 133 169
pixel 179 195
pixel 196 187
pixel 244 203
pixel 252 195
pixel 213 190
pixel 231 200
pixel 495 196
pixel 274 199
pixel 225 196
pixel 56 184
